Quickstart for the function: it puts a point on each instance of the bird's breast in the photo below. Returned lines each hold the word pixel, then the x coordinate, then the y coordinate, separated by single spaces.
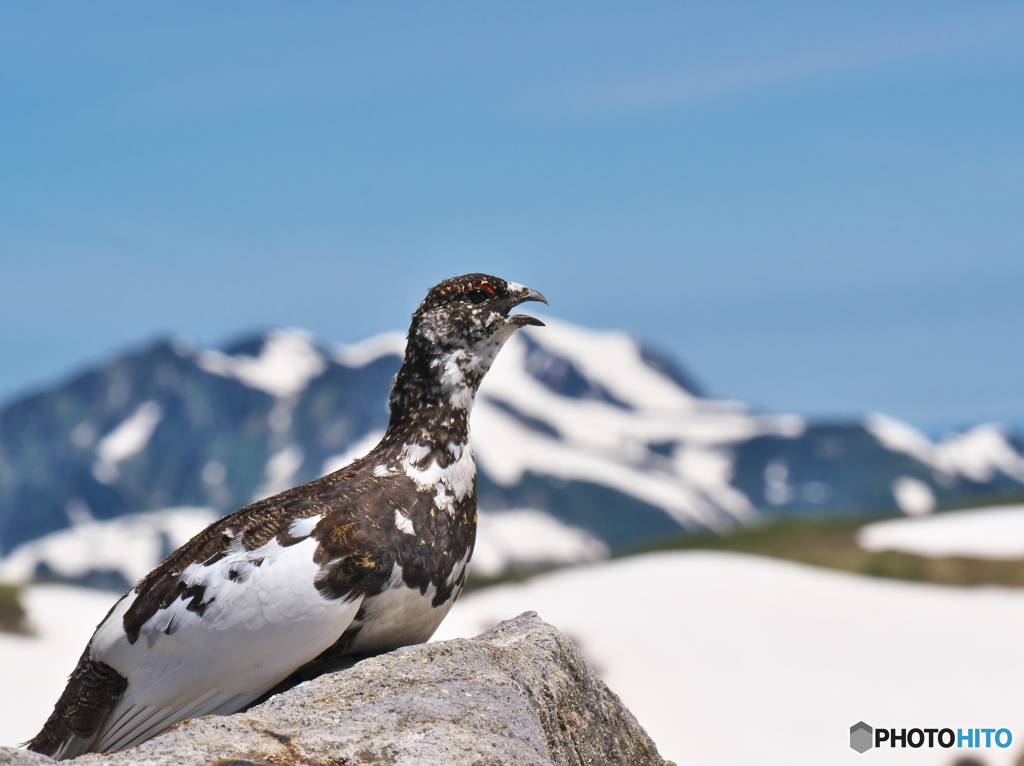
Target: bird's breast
pixel 402 614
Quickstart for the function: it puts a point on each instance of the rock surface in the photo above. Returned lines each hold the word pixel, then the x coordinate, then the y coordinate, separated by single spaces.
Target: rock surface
pixel 519 694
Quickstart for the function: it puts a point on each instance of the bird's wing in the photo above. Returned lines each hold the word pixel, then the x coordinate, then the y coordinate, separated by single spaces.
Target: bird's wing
pixel 211 638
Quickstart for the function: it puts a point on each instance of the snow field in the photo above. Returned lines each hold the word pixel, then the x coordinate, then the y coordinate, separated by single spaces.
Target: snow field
pixel 724 658
pixel 730 660
pixel 984 533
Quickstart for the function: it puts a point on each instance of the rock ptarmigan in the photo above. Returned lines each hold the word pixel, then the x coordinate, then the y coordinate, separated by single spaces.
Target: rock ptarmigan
pixel 360 561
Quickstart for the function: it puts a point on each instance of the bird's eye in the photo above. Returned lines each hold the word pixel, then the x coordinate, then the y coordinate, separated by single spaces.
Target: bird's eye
pixel 477 292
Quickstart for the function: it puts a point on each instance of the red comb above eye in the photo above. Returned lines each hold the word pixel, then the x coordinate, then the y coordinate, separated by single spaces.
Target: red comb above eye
pixel 478 286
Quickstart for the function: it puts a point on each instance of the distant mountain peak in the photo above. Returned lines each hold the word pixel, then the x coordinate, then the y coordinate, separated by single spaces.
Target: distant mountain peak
pixel 280 362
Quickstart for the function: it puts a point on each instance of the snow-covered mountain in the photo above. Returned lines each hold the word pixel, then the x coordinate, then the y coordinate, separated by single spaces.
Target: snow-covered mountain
pixel 588 436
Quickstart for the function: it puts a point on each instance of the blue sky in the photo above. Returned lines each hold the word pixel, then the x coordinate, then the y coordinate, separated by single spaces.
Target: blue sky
pixel 816 207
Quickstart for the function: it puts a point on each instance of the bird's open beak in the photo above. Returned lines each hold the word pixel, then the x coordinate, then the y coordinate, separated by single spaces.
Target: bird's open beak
pixel 522 294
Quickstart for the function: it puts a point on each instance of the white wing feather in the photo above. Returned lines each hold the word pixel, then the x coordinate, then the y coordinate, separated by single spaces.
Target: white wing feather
pixel 264 618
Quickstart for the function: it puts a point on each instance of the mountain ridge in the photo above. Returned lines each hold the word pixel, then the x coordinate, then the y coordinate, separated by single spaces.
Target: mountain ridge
pixel 595 429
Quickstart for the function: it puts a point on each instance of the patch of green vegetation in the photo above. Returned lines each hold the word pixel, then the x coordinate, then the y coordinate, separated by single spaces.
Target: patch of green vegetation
pixel 989 501
pixel 832 543
pixel 12 614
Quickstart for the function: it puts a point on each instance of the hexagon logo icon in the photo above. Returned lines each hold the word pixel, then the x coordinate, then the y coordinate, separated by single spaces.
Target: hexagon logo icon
pixel 860 737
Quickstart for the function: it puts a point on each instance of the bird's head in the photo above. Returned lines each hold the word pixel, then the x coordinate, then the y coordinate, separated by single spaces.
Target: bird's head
pixel 471 311
pixel 461 325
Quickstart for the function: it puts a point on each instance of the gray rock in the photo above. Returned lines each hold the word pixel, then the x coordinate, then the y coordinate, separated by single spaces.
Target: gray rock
pixel 519 694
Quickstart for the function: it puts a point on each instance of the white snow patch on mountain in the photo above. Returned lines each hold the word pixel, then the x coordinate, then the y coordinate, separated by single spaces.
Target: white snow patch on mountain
pixel 526 537
pixel 614 358
pixel 979 452
pixel 900 437
pixel 983 533
pixel 913 496
pixel 214 472
pixel 710 469
pixel 777 488
pixel 657 419
pixel 83 435
pixel 976 454
pixel 132 545
pixel 280 471
pixel 126 439
pixel 370 350
pixel 719 653
pixel 357 450
pixel 286 364
pixel 505 448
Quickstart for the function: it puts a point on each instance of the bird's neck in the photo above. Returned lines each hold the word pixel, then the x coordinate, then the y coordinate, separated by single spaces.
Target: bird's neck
pixel 431 400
